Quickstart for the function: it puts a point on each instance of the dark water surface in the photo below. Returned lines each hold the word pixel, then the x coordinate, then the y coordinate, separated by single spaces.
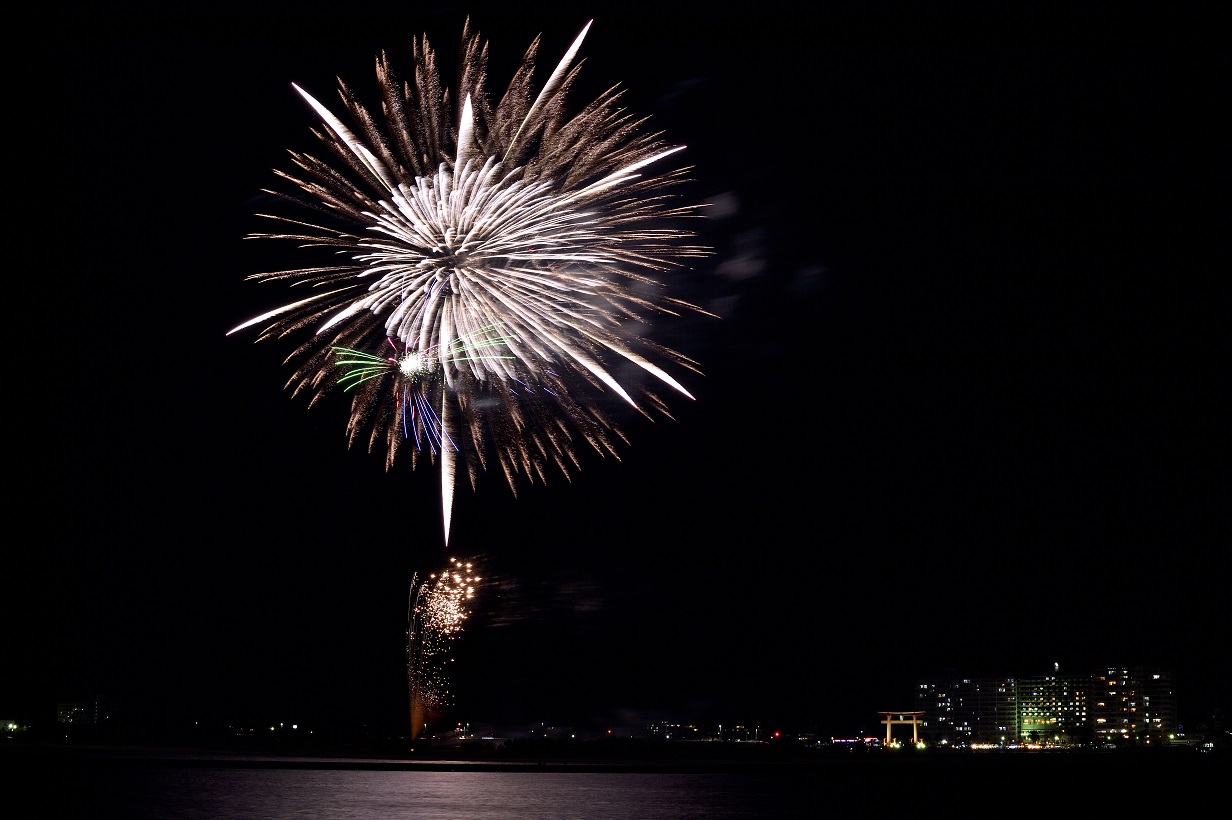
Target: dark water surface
pixel 139 786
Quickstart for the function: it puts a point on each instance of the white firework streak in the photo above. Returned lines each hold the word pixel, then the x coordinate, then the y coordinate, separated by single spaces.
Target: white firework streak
pixel 510 215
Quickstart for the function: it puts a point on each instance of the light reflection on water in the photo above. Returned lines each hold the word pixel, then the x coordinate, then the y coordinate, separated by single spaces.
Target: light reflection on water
pixel 927 786
pixel 218 794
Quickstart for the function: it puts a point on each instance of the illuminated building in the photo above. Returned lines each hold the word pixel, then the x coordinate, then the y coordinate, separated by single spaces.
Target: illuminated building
pixel 1133 703
pixel 1053 709
pixel 963 711
pixel 1111 705
pixel 82 713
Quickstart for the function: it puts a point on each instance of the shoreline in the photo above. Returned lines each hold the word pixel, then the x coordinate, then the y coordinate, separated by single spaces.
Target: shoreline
pixel 667 759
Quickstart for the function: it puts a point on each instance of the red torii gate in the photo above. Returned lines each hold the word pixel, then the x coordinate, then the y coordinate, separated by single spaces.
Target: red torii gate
pixel 893 719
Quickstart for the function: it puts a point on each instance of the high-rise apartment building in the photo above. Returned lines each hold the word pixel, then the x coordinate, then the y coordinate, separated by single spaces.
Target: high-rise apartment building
pixel 1111 704
pixel 962 711
pixel 1053 709
pixel 1132 702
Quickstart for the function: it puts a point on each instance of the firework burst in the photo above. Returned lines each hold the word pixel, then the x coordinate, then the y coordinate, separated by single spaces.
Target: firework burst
pixel 505 249
pixel 436 609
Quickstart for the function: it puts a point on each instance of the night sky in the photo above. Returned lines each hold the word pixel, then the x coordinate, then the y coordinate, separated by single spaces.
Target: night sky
pixel 958 413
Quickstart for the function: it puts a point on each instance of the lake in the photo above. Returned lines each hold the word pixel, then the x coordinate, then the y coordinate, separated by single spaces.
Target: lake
pixel 164 786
